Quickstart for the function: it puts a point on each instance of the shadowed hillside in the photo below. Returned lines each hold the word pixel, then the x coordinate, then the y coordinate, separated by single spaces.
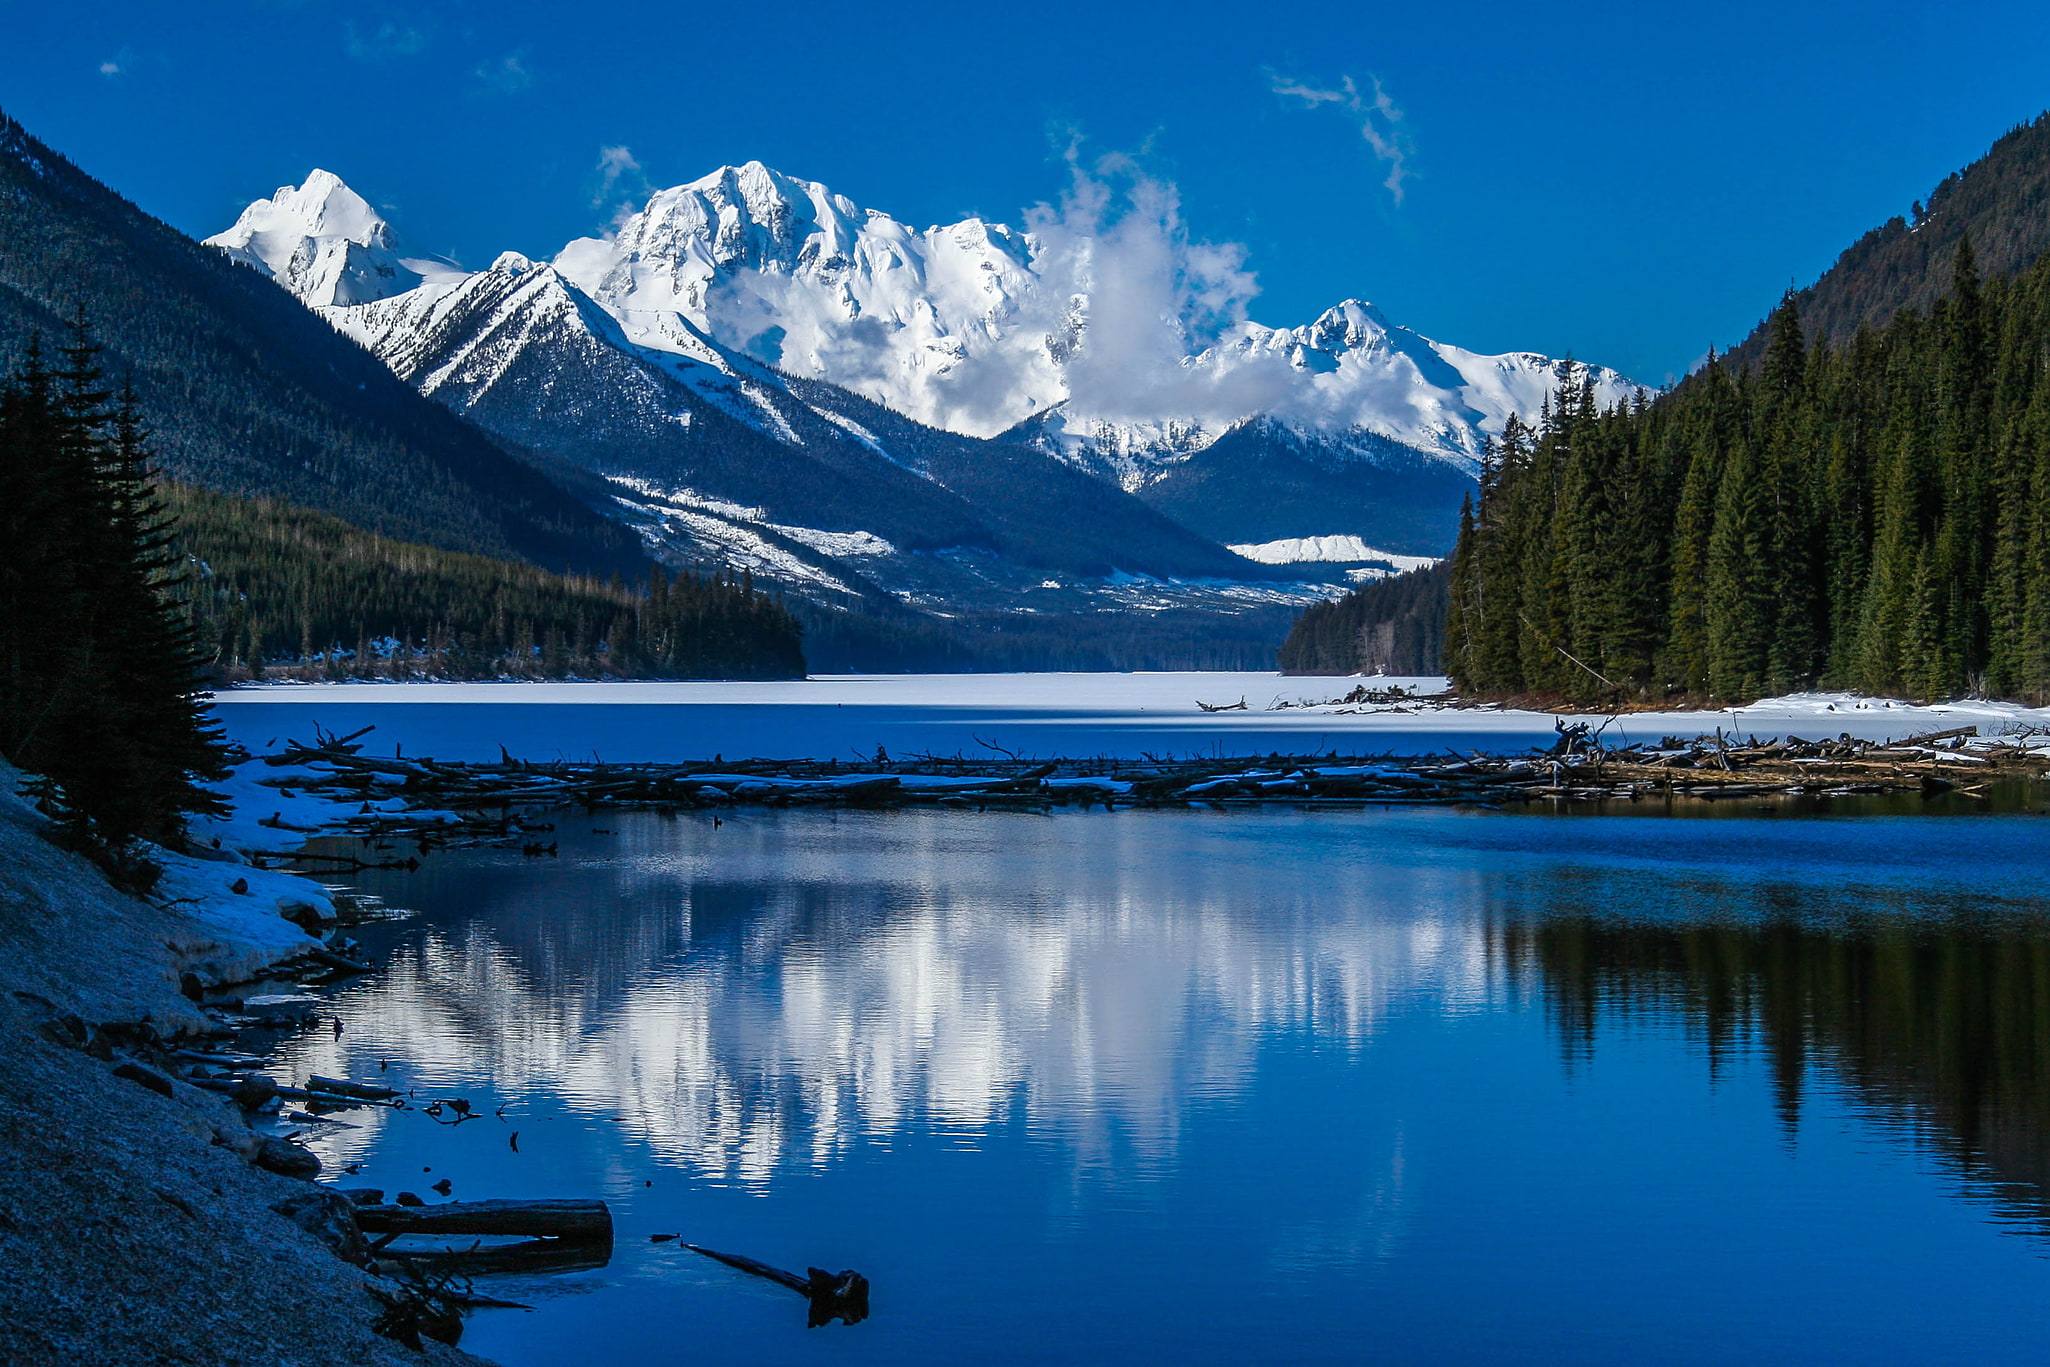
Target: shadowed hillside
pixel 2002 201
pixel 247 393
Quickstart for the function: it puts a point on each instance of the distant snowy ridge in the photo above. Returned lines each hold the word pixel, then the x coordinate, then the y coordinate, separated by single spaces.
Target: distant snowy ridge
pixel 976 327
pixel 1344 550
pixel 971 327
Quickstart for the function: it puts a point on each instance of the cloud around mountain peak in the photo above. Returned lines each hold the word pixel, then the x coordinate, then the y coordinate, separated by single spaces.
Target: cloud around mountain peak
pixel 1103 317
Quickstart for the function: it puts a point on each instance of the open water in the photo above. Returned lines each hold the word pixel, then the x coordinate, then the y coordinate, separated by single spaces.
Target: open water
pixel 1414 1086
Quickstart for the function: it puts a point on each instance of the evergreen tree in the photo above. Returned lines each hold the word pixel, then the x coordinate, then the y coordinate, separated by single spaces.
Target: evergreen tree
pixel 1874 515
pixel 103 691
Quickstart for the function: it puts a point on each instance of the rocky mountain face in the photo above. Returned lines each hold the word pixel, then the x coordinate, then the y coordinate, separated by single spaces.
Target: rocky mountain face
pixel 244 392
pixel 962 419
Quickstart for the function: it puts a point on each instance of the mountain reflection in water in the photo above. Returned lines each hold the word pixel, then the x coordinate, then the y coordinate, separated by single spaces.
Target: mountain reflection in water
pixel 750 1005
pixel 1582 1091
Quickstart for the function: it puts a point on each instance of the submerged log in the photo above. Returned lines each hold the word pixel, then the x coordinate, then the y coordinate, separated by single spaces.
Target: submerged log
pixel 581 1221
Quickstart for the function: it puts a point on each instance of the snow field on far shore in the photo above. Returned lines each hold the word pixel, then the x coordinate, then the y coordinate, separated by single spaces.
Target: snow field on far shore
pixel 1074 716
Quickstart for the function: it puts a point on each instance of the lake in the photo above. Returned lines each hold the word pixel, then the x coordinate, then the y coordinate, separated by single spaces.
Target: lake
pixel 1409 1086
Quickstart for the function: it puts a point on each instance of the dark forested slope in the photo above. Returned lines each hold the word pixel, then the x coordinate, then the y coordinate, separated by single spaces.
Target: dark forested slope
pixel 278 588
pixel 246 392
pixel 2001 201
pixel 1385 626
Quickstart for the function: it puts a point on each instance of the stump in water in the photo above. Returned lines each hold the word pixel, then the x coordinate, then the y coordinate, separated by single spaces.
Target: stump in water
pixel 839 1296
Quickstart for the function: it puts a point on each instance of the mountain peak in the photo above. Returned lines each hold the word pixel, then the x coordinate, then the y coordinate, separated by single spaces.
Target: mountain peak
pixel 323 206
pixel 1348 324
pixel 320 240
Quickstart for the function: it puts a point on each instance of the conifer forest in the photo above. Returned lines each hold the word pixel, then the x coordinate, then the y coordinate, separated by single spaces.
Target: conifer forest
pixel 284 592
pixel 102 677
pixel 1872 515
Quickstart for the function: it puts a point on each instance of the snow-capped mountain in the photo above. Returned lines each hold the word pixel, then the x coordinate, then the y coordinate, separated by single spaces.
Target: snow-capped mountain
pixel 713 455
pixel 965 417
pixel 325 244
pixel 794 275
pixel 977 327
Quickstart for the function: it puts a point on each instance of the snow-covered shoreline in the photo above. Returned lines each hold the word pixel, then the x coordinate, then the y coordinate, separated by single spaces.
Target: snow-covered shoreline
pixel 1037 715
pixel 133 1225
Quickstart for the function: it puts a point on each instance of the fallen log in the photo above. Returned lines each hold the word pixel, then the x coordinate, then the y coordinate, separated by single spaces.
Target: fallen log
pixel 583 1221
pixel 368 1091
pixel 1928 736
pixel 339 963
pixel 531 1256
pixel 839 1295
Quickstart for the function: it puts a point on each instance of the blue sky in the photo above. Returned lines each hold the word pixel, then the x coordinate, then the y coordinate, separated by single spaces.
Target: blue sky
pixel 1626 186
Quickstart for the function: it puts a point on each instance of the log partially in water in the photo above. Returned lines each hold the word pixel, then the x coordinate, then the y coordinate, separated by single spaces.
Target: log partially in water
pixel 579 1221
pixel 528 1257
pixel 337 1087
pixel 833 1296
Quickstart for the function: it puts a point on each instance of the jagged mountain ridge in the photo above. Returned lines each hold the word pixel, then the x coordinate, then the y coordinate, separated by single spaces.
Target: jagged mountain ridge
pixel 740 284
pixel 714 455
pixel 247 394
pixel 978 327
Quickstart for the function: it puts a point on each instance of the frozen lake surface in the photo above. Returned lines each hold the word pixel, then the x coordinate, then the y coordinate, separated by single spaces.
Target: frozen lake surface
pixel 1035 715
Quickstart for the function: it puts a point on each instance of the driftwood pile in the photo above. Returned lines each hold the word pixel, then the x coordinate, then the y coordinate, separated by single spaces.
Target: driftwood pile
pixel 450 804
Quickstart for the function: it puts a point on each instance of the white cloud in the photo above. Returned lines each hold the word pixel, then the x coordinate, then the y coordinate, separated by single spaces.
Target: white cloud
pixel 1381 120
pixel 118 65
pixel 621 182
pixel 506 74
pixel 1134 297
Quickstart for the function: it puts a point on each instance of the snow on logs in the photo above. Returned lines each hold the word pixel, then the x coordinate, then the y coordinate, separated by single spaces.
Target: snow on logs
pixel 439 803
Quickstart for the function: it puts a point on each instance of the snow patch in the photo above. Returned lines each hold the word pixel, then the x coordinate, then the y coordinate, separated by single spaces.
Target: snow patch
pixel 1335 549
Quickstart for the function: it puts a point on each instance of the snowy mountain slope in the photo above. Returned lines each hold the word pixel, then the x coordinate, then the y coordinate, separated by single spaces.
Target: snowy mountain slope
pixel 1351 385
pixel 527 356
pixel 1349 550
pixel 976 327
pixel 324 243
pixel 715 456
pixel 788 272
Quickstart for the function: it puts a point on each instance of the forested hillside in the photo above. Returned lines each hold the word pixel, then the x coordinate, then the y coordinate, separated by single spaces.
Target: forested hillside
pixel 2001 201
pixel 246 392
pixel 1873 515
pixel 280 591
pixel 1386 626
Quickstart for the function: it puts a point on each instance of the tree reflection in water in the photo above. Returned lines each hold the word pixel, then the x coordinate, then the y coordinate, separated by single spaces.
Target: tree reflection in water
pixel 1940 1023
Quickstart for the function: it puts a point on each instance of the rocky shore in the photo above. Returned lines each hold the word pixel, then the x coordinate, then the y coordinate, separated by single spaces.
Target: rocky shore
pixel 138 1220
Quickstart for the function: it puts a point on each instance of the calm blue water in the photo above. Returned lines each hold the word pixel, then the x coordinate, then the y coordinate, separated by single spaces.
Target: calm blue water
pixel 1406 1087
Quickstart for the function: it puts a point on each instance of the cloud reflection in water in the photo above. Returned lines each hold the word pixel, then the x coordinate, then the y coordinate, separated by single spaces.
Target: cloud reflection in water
pixel 779 992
